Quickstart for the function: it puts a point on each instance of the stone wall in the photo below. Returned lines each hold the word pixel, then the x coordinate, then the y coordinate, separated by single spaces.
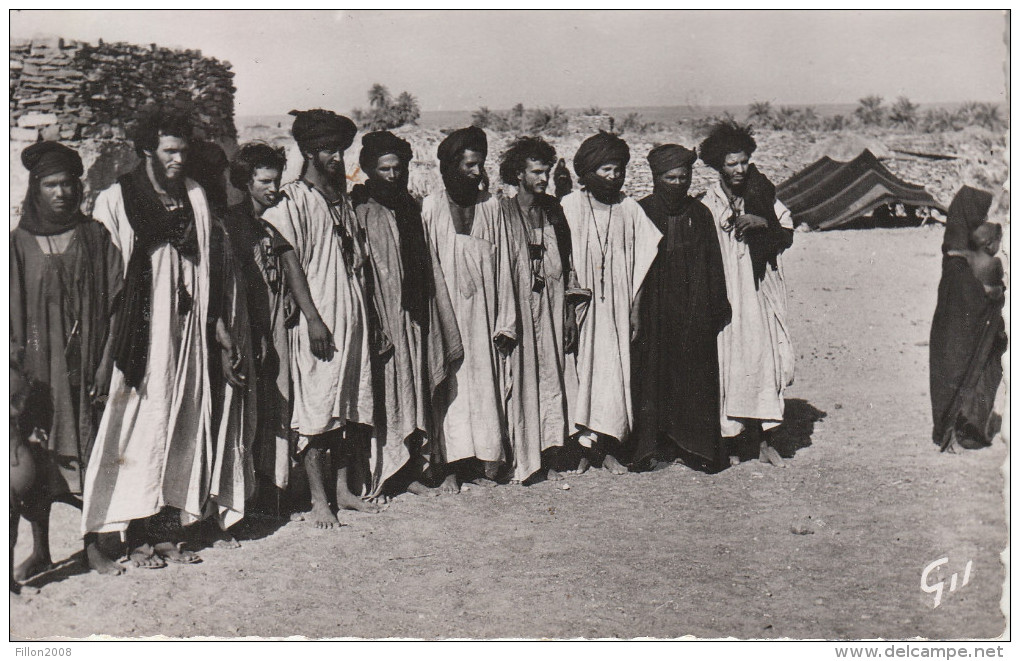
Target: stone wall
pixel 85 96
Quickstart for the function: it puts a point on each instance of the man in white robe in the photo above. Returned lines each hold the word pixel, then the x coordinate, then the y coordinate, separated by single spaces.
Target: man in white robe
pixel 466 228
pixel 329 346
pixel 755 352
pixel 537 408
pixel 614 244
pixel 414 312
pixel 159 460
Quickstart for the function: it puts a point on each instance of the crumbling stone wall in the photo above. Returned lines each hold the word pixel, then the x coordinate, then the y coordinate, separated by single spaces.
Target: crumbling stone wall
pixel 85 96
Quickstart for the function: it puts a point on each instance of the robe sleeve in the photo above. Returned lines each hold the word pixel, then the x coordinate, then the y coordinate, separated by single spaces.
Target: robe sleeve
pixel 718 301
pixel 109 211
pixel 506 306
pixel 283 217
pixel 17 300
pixel 784 215
pixel 646 245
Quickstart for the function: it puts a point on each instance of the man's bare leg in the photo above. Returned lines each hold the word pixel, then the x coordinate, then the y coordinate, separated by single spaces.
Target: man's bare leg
pixel 768 454
pixel 343 458
pixel 97 559
pixel 420 467
pixel 320 515
pixel 490 471
pixel 39 560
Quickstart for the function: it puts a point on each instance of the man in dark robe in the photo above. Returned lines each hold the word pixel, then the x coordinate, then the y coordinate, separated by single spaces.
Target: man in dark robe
pixel 967 337
pixel 681 309
pixel 65 276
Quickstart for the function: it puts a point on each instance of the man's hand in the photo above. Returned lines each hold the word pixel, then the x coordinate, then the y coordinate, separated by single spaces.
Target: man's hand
pixel 748 223
pixel 504 343
pixel 230 357
pixel 231 360
pixel 321 340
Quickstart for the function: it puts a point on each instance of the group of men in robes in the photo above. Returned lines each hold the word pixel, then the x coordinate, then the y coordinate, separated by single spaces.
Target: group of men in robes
pixel 392 346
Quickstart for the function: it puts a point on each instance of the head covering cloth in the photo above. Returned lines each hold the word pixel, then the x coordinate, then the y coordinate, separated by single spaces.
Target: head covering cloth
pixel 43 159
pixel 668 157
pixel 967 210
pixel 320 129
pixel 598 150
pixel 377 144
pixel 462 190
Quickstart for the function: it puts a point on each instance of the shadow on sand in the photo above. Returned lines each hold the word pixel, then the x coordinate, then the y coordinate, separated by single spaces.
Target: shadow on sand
pixel 798 426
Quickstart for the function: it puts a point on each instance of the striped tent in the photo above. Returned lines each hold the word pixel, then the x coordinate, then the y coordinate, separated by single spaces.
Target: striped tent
pixel 828 193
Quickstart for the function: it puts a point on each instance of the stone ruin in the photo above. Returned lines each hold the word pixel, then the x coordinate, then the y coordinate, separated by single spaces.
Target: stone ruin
pixel 85 96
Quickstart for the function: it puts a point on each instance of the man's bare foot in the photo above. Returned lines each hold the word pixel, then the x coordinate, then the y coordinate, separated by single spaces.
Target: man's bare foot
pixel 321 517
pixel 491 469
pixel 450 485
pixel 98 561
pixel 176 553
pixel 552 475
pixel 612 464
pixel 34 564
pixel 348 501
pixel 734 460
pixel 582 466
pixel 419 489
pixel 145 557
pixel 769 455
pixel 485 482
pixel 227 541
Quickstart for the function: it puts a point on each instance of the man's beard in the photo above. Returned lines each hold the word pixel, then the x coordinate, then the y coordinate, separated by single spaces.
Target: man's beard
pixel 336 178
pixel 603 190
pixel 463 190
pixel 736 189
pixel 159 170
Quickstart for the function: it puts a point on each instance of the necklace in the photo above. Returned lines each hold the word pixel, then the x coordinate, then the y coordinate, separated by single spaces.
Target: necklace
pixel 603 247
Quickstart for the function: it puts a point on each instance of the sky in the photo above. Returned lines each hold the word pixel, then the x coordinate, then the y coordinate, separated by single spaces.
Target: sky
pixel 461 60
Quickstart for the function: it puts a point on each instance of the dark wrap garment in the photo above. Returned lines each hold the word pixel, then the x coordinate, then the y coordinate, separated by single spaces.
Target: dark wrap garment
pixel 48 294
pixel 967 337
pixel 153 226
pixel 764 244
pixel 681 309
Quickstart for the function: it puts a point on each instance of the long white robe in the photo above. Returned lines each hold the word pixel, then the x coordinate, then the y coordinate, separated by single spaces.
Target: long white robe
pixel 755 352
pixel 476 268
pixel 327 394
pixel 155 446
pixel 536 412
pixel 629 242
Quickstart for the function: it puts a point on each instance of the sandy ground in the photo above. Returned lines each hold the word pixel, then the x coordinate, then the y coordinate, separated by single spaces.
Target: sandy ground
pixel 831 547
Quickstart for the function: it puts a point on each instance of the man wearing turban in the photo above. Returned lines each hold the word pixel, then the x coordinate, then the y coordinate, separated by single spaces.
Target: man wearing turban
pixel 170 447
pixel 613 245
pixel 681 310
pixel 65 274
pixel 414 311
pixel 329 345
pixel 755 351
pixel 465 227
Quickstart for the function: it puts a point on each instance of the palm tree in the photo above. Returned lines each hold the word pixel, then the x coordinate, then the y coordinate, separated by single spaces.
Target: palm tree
pixel 870 111
pixel 903 112
pixel 760 113
pixel 378 96
pixel 407 109
pixel 481 117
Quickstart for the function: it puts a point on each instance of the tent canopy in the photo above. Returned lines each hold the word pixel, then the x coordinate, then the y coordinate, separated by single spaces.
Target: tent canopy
pixel 828 193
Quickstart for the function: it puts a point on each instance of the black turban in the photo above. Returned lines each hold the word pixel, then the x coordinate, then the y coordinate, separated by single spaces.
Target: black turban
pixel 667 157
pixel 967 210
pixel 319 129
pixel 380 143
pixel 598 150
pixel 456 143
pixel 45 158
